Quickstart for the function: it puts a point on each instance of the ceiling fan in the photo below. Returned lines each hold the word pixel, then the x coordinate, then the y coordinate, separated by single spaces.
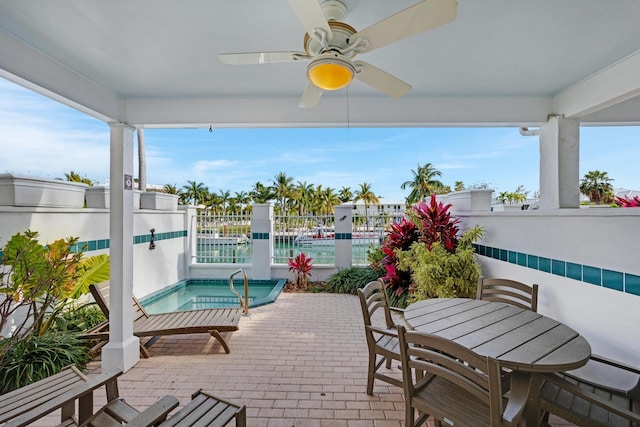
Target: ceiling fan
pixel 330 45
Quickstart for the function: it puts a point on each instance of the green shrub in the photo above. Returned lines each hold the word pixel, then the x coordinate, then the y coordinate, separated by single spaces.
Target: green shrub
pixel 80 319
pixel 32 358
pixel 438 273
pixel 347 281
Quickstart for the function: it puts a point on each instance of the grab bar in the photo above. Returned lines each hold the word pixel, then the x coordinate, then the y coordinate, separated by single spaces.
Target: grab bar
pixel 246 290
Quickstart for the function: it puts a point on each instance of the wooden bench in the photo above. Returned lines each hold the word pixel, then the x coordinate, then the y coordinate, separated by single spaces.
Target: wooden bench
pixel 207 410
pixel 61 391
pixel 23 406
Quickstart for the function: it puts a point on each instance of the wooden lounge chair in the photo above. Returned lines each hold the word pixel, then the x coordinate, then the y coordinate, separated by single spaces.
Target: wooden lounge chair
pixel 508 291
pixel 212 321
pixel 456 386
pixel 27 404
pixel 588 401
pixel 381 341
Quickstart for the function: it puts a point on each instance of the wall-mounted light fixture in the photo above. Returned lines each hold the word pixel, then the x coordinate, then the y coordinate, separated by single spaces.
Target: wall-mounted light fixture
pixel 152 243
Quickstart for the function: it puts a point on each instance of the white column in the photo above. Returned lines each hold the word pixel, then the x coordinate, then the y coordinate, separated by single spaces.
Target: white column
pixel 122 351
pixel 559 163
pixel 344 234
pixel 262 240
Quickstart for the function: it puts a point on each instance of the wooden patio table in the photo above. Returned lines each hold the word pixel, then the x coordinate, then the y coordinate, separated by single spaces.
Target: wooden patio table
pixel 520 339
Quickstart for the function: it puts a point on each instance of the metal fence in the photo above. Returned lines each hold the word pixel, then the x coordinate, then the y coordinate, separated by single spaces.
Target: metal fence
pixel 226 238
pixel 312 235
pixel 223 238
pixel 368 233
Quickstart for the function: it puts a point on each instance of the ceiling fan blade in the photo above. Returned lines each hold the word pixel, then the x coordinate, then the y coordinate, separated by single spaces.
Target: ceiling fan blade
pixel 250 58
pixel 310 97
pixel 311 16
pixel 381 80
pixel 421 17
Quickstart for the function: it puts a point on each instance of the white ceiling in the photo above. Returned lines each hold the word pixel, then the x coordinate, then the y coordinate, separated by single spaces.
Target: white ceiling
pixel 154 62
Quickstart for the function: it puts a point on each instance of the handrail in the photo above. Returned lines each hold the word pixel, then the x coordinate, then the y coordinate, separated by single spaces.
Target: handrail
pixel 246 290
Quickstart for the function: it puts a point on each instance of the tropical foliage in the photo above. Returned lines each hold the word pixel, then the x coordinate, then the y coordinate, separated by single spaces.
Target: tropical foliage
pixel 627 202
pixel 429 235
pixel 519 195
pixel 348 280
pixel 32 358
pixel 40 283
pixel 43 279
pixel 301 267
pixel 596 185
pixel 75 177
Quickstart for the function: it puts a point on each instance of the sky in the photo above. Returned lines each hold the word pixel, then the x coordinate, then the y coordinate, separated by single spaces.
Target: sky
pixel 41 137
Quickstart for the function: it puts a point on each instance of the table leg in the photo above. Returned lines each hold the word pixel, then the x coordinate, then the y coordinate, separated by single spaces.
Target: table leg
pixel 532 413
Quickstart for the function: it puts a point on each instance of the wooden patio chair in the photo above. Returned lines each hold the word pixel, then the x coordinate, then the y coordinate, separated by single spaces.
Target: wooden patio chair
pixel 27 404
pixel 508 291
pixel 212 321
pixel 382 342
pixel 455 385
pixel 611 399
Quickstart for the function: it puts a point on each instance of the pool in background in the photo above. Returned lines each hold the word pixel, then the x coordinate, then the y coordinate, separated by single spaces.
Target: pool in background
pixel 195 294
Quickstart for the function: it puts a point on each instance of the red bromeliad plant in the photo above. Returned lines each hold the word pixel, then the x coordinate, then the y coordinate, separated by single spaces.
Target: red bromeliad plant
pixel 301 266
pixel 400 236
pixel 436 224
pixel 626 202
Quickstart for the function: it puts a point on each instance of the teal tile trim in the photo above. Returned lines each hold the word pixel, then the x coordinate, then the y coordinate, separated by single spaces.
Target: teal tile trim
pixel 632 284
pixel 260 236
pixel 615 280
pixel 158 236
pixel 102 244
pixel 343 236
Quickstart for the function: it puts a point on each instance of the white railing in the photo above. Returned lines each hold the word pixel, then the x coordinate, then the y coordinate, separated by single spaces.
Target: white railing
pixel 368 232
pixel 223 238
pixel 227 238
pixel 312 235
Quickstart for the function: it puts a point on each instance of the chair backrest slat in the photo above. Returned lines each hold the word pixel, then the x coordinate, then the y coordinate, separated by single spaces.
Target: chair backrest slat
pixel 508 291
pixel 373 297
pixel 435 356
pixel 101 294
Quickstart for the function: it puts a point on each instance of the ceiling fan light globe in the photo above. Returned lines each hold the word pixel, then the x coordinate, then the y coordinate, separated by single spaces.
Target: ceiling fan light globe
pixel 331 72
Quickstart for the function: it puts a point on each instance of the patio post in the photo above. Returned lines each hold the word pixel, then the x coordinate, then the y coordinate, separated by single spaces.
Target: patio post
pixel 344 235
pixel 262 240
pixel 559 163
pixel 122 351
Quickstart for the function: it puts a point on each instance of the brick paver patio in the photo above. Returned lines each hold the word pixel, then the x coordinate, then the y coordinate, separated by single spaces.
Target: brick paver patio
pixel 298 362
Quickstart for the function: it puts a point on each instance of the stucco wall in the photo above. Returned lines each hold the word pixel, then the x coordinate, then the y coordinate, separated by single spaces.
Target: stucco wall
pixel 152 269
pixel 579 244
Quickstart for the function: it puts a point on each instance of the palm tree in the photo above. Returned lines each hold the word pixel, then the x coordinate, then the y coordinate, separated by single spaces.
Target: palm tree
pixel 212 201
pixel 459 186
pixel 367 196
pixel 303 196
pixel 345 194
pixel 194 192
pixel 327 199
pixel 423 184
pixel 282 187
pixel 242 198
pixel 224 196
pixel 597 187
pixel 260 193
pixel 170 188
